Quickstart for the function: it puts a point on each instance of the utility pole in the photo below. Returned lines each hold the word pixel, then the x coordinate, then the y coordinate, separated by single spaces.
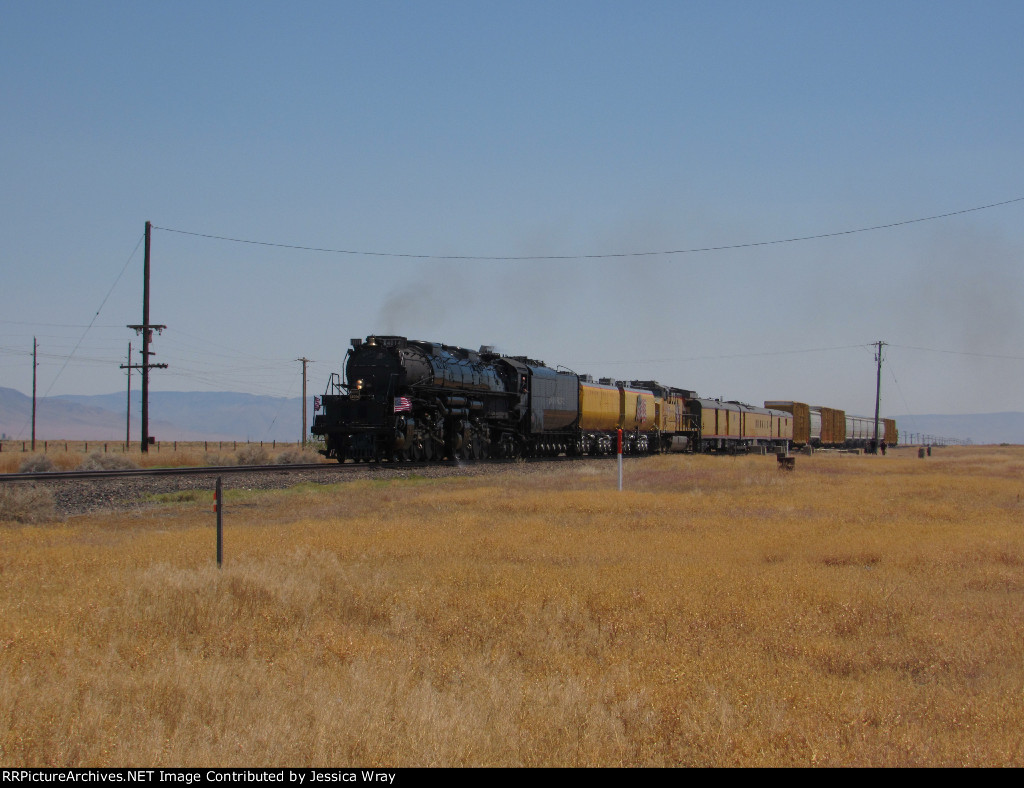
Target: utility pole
pixel 146 330
pixel 129 367
pixel 878 389
pixel 304 361
pixel 35 363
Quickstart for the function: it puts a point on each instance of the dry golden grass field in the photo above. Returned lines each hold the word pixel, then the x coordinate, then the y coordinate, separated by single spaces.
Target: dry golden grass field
pixel 859 610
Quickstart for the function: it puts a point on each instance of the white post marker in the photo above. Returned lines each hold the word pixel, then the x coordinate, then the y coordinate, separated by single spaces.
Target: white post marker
pixel 620 460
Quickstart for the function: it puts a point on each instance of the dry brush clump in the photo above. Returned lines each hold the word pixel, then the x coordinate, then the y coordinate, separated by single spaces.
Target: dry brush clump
pixel 297 456
pixel 100 461
pixel 37 463
pixel 252 454
pixel 860 611
pixel 26 503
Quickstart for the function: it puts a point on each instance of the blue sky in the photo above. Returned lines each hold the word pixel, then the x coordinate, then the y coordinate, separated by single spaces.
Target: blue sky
pixel 520 130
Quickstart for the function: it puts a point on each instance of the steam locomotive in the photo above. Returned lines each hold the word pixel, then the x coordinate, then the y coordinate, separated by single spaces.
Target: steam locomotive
pixel 404 399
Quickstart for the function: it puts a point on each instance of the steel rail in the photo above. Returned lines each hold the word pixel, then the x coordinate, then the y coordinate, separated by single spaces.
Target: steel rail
pixel 42 476
pixel 182 471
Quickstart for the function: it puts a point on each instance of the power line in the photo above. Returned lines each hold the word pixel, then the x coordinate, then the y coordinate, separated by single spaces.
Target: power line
pixel 693 250
pixel 719 356
pixel 100 309
pixel 960 352
pixel 64 325
pixel 906 405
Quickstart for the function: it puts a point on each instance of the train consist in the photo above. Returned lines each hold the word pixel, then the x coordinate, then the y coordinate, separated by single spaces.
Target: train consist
pixel 413 400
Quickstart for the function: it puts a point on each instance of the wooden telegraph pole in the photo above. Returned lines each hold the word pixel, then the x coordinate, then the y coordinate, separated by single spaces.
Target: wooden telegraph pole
pixel 878 389
pixel 146 330
pixel 35 364
pixel 304 361
pixel 129 367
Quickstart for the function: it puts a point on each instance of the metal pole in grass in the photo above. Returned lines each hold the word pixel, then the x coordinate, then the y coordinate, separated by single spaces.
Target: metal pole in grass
pixel 218 506
pixel 620 460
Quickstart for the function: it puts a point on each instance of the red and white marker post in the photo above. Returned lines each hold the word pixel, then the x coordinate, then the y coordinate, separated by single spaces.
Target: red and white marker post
pixel 620 460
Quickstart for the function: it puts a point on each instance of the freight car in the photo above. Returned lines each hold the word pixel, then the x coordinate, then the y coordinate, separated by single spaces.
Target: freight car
pixel 414 400
pixel 830 428
pixel 814 425
pixel 860 431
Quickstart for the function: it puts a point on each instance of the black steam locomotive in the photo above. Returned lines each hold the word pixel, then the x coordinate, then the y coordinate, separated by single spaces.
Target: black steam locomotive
pixel 405 399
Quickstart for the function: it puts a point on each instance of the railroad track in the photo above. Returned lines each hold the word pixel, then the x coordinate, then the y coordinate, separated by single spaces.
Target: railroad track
pixel 44 476
pixel 84 492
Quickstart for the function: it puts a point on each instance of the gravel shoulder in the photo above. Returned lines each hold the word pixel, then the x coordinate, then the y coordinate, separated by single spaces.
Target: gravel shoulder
pixel 76 497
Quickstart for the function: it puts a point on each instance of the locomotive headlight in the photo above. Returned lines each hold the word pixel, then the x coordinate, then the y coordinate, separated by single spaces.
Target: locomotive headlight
pixel 359 385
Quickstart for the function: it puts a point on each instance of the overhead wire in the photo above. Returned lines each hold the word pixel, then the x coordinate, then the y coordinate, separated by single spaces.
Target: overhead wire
pixel 718 356
pixel 273 421
pixel 961 353
pixel 69 356
pixel 607 255
pixel 100 309
pixel 892 373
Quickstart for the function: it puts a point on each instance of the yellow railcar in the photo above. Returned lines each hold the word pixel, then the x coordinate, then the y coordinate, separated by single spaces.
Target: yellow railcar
pixel 636 408
pixel 600 409
pixel 607 407
pixel 733 426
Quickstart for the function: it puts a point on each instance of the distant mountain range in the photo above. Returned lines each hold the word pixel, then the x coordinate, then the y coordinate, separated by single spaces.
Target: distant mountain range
pixel 978 427
pixel 173 415
pixel 225 415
